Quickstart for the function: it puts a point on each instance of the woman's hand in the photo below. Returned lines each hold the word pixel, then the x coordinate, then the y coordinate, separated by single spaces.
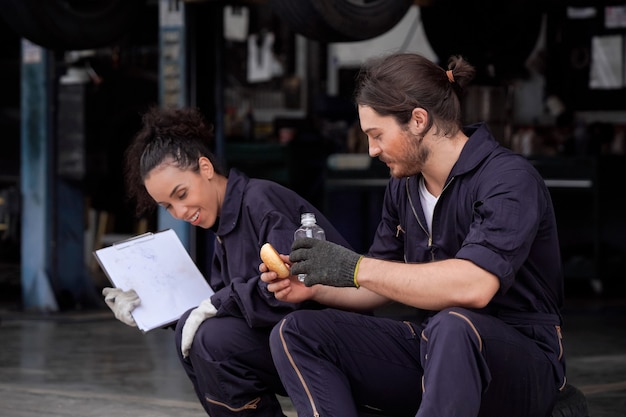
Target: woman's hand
pixel 288 289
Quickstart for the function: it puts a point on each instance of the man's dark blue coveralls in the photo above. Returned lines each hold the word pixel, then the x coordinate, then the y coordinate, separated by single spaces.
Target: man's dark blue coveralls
pixel 505 360
pixel 229 362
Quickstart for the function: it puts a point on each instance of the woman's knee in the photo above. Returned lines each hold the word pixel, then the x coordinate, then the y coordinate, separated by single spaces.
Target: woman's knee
pixel 216 337
pixel 178 330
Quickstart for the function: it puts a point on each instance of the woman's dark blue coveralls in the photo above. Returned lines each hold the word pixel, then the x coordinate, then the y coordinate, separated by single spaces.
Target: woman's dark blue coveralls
pixel 505 360
pixel 229 362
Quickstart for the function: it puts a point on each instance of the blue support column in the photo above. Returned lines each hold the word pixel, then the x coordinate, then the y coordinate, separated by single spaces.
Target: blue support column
pixel 73 284
pixel 35 177
pixel 173 87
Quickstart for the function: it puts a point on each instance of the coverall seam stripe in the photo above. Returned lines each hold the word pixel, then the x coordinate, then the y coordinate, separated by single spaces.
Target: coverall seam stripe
pixel 408 324
pixel 297 371
pixel 560 337
pixel 480 340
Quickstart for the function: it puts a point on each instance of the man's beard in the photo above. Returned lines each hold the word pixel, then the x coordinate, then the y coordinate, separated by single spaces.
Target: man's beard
pixel 416 155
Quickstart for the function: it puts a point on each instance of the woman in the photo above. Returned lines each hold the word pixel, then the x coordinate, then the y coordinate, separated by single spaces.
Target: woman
pixel 223 343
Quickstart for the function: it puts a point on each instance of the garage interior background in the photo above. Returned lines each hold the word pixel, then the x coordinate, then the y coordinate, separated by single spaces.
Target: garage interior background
pixel 551 83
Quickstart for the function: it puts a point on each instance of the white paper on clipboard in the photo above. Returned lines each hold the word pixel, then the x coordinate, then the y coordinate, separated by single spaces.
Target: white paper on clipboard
pixel 158 267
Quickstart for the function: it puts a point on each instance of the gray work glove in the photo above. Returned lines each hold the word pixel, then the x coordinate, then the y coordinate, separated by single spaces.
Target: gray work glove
pixel 122 303
pixel 199 314
pixel 324 263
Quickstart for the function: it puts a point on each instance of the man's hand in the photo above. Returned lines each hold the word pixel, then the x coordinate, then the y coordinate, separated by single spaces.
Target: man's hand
pixel 324 263
pixel 199 314
pixel 122 303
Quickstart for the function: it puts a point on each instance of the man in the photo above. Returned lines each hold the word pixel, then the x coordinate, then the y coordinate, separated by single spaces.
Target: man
pixel 468 237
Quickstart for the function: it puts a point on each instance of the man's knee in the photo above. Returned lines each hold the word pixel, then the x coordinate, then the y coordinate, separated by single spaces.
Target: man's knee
pixel 295 326
pixel 277 336
pixel 452 322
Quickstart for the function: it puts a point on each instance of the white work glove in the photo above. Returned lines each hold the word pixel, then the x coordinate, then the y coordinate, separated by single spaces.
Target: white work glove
pixel 199 314
pixel 122 303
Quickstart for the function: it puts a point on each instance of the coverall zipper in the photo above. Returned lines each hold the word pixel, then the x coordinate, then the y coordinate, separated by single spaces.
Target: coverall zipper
pixel 252 405
pixel 425 229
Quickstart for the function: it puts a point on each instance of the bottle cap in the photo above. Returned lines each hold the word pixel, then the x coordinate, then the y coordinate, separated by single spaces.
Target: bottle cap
pixel 307 218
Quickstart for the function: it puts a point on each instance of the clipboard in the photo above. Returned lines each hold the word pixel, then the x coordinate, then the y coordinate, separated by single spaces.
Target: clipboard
pixel 158 267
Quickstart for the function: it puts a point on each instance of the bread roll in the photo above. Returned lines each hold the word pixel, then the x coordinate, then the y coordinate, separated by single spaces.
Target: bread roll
pixel 270 257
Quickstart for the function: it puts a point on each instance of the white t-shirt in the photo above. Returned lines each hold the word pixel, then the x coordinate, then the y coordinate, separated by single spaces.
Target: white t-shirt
pixel 428 204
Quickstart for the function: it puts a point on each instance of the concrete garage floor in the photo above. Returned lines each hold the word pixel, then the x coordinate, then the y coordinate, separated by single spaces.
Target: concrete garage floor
pixel 87 364
pixel 594 335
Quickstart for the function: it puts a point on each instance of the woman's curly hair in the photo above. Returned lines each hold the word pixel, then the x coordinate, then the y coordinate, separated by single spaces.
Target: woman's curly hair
pixel 177 136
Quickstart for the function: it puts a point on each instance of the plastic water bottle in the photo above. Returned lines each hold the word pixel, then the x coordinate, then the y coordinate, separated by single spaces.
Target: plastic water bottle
pixel 309 228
